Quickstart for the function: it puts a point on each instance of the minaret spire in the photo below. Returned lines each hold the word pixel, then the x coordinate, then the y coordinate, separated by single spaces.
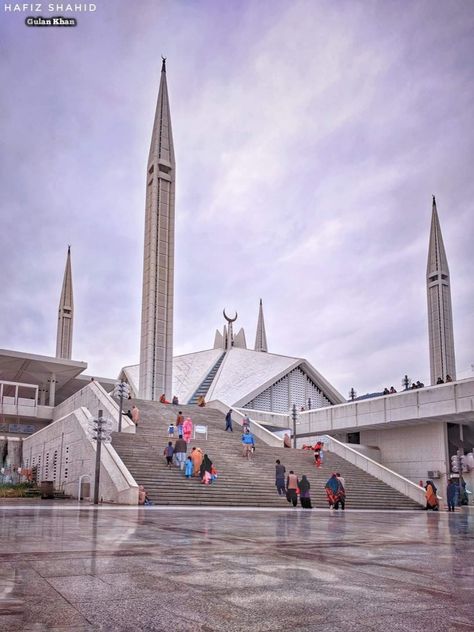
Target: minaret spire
pixel 65 314
pixel 440 317
pixel 261 336
pixel 156 345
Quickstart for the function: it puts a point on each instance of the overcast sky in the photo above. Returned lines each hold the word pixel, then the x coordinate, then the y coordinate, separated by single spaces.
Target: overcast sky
pixel 309 138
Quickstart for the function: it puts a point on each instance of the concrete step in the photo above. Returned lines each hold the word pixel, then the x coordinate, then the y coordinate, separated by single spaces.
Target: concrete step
pixel 240 482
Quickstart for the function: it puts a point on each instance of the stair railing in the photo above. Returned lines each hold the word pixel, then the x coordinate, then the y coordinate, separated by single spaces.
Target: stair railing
pixel 259 431
pixel 382 473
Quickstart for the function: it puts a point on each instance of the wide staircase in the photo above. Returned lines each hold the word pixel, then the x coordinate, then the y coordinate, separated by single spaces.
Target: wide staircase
pixel 240 482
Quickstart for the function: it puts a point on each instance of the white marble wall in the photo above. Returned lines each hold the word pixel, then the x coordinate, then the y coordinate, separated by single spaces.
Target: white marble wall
pixel 411 450
pixel 63 452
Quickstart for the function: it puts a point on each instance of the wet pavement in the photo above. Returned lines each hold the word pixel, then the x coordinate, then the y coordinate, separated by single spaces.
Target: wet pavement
pixel 66 568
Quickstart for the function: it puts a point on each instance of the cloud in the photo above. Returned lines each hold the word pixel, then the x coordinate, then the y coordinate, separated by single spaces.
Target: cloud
pixel 309 138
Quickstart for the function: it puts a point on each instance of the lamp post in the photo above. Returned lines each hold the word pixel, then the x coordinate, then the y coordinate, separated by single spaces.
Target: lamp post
pixel 99 430
pixel 352 394
pixel 121 390
pixel 406 382
pixel 294 415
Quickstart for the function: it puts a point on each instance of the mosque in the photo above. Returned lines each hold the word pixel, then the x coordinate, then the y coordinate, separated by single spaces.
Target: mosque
pixel 38 392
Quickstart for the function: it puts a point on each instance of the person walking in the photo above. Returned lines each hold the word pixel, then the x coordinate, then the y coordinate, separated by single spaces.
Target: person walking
pixel 317 454
pixel 168 452
pixel 135 415
pixel 179 422
pixel 196 457
pixel 187 429
pixel 292 488
pixel 248 443
pixel 280 478
pixel 188 467
pixel 452 494
pixel 304 487
pixel 246 423
pixel 206 466
pixel 180 449
pixel 228 421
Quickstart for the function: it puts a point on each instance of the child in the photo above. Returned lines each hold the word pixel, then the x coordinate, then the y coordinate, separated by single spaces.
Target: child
pixel 188 467
pixel 213 473
pixel 168 452
pixel 171 430
pixel 206 478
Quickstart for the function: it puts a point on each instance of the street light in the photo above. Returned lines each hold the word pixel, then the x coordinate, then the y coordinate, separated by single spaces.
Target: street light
pixel 352 394
pixel 121 390
pixel 99 430
pixel 294 416
pixel 406 382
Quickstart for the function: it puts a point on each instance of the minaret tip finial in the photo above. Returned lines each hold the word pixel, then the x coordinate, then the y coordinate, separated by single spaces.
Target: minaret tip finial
pixel 163 64
pixel 434 200
pixel 69 249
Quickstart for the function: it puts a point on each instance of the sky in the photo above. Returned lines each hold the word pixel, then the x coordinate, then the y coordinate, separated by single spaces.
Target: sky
pixel 309 139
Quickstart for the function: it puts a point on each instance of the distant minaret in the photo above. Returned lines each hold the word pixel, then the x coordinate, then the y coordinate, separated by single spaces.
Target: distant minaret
pixel 261 337
pixel 440 317
pixel 65 314
pixel 156 345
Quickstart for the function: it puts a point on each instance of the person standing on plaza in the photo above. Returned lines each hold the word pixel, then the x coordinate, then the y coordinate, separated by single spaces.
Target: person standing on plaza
pixel 228 421
pixel 431 496
pixel 248 443
pixel 334 491
pixel 452 494
pixel 342 492
pixel 292 488
pixel 135 415
pixel 304 487
pixel 280 478
pixel 180 449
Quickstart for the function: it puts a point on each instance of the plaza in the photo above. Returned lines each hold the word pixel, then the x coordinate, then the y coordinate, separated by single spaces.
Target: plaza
pixel 67 567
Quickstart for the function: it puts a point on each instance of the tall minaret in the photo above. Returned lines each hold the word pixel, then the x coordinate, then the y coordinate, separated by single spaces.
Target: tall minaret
pixel 261 337
pixel 156 345
pixel 440 316
pixel 65 314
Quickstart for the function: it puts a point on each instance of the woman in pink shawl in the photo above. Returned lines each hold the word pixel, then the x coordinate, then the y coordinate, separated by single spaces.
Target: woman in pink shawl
pixel 187 429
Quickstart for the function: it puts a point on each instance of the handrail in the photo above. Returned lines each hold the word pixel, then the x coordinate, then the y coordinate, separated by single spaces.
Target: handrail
pixel 397 481
pixel 259 431
pixel 94 396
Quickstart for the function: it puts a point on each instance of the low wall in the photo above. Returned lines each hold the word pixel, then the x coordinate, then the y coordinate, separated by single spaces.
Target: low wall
pixel 259 431
pixel 63 452
pixel 94 397
pixel 412 451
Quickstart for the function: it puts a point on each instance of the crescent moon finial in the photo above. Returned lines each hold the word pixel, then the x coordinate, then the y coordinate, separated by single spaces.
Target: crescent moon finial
pixel 229 320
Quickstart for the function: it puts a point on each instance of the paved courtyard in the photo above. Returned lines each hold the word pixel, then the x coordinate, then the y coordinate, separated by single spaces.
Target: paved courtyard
pixel 126 569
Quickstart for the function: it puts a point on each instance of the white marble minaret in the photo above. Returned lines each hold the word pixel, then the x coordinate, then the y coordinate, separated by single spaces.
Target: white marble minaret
pixel 156 345
pixel 440 316
pixel 261 336
pixel 65 314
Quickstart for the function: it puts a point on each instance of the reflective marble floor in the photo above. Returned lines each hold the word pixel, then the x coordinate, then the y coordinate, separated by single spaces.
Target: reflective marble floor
pixel 128 569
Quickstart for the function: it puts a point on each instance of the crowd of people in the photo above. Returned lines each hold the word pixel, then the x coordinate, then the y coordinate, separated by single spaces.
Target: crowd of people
pixel 291 486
